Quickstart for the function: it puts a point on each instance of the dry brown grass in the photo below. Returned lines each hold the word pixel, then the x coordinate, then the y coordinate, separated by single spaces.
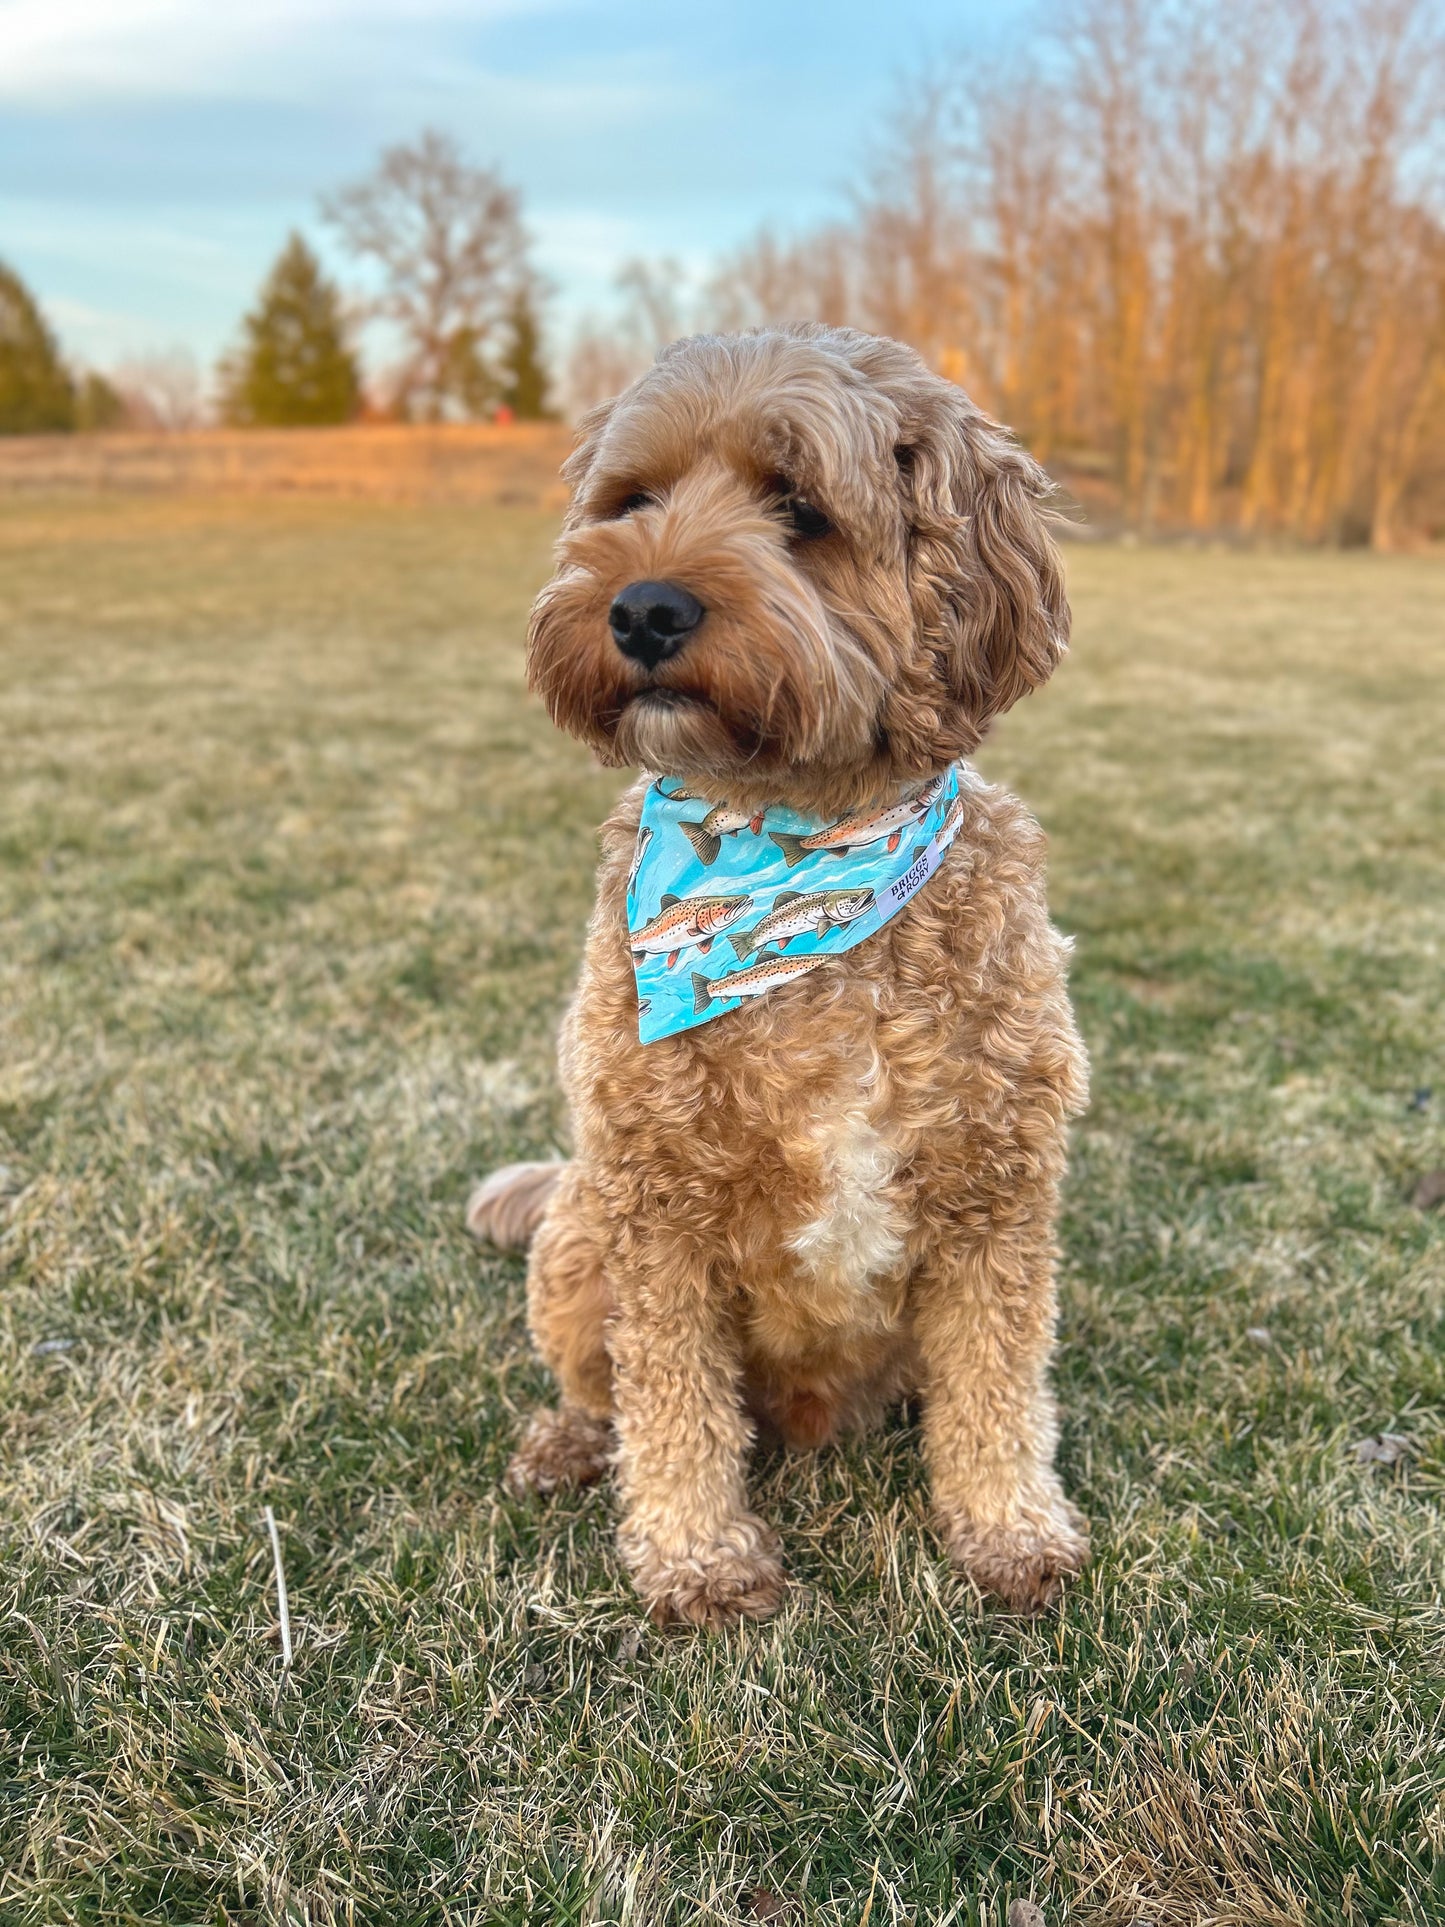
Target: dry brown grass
pixel 472 463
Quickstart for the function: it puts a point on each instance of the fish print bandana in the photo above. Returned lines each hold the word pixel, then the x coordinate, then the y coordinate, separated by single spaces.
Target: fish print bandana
pixel 723 906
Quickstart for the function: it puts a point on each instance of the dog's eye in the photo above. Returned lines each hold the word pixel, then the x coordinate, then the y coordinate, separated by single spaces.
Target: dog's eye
pixel 639 499
pixel 808 522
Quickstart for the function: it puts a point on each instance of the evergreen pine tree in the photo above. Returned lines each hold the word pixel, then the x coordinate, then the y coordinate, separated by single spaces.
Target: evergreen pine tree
pixel 524 376
pixel 36 393
pixel 294 366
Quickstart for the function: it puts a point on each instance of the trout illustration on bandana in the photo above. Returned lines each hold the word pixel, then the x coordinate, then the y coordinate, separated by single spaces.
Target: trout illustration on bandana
pixel 722 906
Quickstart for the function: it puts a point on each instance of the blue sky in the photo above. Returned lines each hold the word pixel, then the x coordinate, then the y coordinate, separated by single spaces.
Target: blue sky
pixel 154 153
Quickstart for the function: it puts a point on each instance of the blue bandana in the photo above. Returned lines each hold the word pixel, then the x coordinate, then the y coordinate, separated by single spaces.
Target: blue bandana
pixel 723 906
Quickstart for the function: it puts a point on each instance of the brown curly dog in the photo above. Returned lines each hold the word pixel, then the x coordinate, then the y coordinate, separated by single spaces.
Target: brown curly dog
pixel 843 1191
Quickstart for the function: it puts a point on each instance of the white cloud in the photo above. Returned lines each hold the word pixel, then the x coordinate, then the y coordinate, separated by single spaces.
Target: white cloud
pixel 61 51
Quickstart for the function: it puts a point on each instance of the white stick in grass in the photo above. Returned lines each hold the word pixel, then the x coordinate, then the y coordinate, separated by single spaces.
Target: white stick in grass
pixel 283 1609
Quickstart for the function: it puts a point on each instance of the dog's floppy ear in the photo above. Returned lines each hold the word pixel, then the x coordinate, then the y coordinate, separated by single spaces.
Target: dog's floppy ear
pixel 578 464
pixel 985 579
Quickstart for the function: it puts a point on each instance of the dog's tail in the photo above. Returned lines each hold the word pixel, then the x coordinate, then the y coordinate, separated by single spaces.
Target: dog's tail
pixel 506 1208
pixel 703 841
pixel 791 846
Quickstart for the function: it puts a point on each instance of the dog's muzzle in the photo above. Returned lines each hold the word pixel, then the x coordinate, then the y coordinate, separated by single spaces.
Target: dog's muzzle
pixel 650 621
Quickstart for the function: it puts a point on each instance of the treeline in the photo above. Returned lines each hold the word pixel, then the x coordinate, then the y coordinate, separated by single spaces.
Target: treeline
pixel 1191 250
pixel 1193 247
pixel 444 262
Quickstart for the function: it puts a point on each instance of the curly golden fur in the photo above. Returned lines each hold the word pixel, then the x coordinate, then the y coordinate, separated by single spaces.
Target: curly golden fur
pixel 845 1190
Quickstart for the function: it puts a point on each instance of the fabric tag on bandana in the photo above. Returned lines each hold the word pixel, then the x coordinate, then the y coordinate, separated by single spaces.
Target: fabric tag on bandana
pixel 723 906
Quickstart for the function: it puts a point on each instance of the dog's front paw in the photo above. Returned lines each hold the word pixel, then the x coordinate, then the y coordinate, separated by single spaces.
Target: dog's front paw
pixel 736 1575
pixel 1025 1562
pixel 560 1448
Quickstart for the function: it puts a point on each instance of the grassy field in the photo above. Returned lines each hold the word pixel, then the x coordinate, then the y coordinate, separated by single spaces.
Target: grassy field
pixel 292 881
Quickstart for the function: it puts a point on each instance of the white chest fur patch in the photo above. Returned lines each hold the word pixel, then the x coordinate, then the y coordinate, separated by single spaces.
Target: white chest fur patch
pixel 855 1238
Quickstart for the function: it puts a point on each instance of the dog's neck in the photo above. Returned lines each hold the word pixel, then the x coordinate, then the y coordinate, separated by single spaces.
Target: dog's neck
pixel 809 791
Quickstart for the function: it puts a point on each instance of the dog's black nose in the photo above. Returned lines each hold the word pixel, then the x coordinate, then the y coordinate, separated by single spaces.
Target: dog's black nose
pixel 650 621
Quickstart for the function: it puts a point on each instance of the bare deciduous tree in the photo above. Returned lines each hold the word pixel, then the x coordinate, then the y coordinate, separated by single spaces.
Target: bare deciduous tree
pixel 652 309
pixel 161 391
pixel 653 293
pixel 1195 244
pixel 446 240
pixel 769 279
pixel 598 367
